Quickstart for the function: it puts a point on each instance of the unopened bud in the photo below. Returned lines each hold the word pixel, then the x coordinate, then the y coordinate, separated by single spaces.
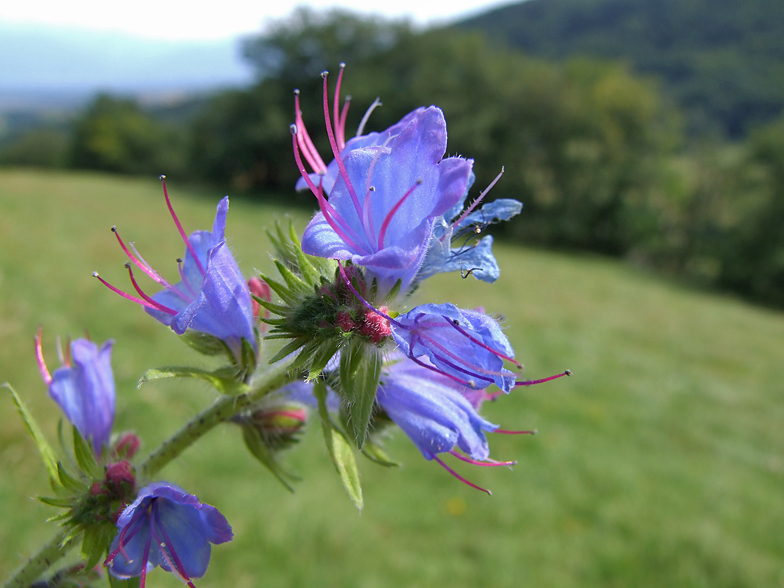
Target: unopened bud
pixel 127 445
pixel 120 477
pixel 279 425
pixel 259 289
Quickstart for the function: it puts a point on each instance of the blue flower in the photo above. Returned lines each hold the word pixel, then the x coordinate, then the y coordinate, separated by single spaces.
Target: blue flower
pixel 211 297
pixel 84 388
pixel 466 345
pixel 167 527
pixel 458 225
pixel 432 411
pixel 387 197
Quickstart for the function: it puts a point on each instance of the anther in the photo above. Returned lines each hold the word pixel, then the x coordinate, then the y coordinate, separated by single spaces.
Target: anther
pixel 342 65
pixel 161 177
pixel 95 274
pixel 372 188
pixel 296 91
pixel 568 372
pixel 178 260
pixel 324 74
pixel 293 128
pixel 114 229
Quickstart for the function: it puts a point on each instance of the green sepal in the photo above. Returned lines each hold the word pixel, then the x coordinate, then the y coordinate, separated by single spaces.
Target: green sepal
pixel 272 307
pixel 129 583
pixel 57 502
pixel 286 295
pixel 376 454
pixel 249 359
pixel 393 293
pixel 224 379
pixel 360 370
pixel 293 281
pixel 95 543
pixel 47 455
pixel 68 481
pixel 320 358
pixel 339 448
pixel 204 343
pixel 258 449
pixel 84 456
pixel 287 349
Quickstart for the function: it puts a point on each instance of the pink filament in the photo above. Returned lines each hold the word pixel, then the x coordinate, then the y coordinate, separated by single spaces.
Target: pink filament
pixel 39 356
pixel 479 199
pixel 459 477
pixel 188 244
pixel 330 214
pixel 308 148
pixel 170 548
pixel 488 463
pixel 505 432
pixel 123 294
pixel 342 127
pixel 336 150
pixel 392 212
pixel 478 342
pixel 144 296
pixel 543 380
pixel 340 135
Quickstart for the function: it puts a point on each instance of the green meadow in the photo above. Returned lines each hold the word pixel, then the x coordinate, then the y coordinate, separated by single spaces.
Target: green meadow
pixel 659 463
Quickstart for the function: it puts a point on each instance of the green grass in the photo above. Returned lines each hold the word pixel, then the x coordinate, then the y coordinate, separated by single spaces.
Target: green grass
pixel 660 463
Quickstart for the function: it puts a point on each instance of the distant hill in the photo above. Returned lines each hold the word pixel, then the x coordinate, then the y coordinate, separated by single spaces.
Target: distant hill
pixel 721 60
pixel 44 67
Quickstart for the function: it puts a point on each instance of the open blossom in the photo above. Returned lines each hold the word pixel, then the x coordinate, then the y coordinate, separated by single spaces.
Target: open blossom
pixel 211 297
pixel 382 208
pixel 84 388
pixel 466 345
pixel 167 527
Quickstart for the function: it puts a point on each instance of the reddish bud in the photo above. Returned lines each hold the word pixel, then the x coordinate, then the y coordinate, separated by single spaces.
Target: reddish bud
pixel 127 445
pixel 344 322
pixel 118 475
pixel 259 289
pixel 376 327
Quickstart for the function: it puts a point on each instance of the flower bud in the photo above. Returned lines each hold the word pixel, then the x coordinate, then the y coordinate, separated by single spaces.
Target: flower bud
pixel 120 478
pixel 279 425
pixel 127 445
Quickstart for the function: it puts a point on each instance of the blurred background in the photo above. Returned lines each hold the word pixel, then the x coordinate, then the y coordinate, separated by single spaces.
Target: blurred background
pixel 646 140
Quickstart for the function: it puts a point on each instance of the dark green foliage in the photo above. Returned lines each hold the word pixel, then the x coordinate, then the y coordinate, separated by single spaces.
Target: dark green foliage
pixel 45 146
pixel 116 135
pixel 721 60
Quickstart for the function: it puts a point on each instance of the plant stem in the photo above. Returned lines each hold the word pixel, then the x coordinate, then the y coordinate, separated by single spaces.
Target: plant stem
pixel 225 408
pixel 47 555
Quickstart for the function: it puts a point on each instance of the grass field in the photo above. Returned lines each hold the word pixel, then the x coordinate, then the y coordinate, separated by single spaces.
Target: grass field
pixel 660 463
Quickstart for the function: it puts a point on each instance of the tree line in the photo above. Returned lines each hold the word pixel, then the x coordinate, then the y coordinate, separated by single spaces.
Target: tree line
pixel 598 155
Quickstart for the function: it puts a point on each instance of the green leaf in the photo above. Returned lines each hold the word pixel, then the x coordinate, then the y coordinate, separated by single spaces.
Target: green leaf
pixel 376 454
pixel 84 456
pixel 293 281
pixel 258 449
pixel 224 380
pixel 129 583
pixel 360 370
pixel 288 349
pixel 339 448
pixel 35 432
pixel 394 291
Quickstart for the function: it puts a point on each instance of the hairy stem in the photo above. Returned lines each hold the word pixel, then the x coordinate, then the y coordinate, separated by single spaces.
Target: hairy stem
pixel 225 408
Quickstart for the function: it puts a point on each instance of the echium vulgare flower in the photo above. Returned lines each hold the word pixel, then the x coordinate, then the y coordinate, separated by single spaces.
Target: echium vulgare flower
pixel 211 297
pixel 165 526
pixel 83 388
pixel 387 197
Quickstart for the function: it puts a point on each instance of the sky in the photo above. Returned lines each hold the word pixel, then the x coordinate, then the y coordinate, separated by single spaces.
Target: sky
pixel 181 20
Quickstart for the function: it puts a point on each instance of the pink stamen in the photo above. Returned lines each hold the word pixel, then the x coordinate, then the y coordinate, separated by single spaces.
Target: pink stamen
pixel 478 342
pixel 141 264
pixel 145 559
pixel 144 296
pixel 505 432
pixel 306 144
pixel 330 214
pixel 459 477
pixel 123 294
pixel 336 110
pixel 362 300
pixel 543 380
pixel 392 212
pixel 478 200
pixel 478 371
pixel 39 356
pixel 170 548
pixel 440 372
pixel 188 244
pixel 342 126
pixel 336 151
pixel 488 463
